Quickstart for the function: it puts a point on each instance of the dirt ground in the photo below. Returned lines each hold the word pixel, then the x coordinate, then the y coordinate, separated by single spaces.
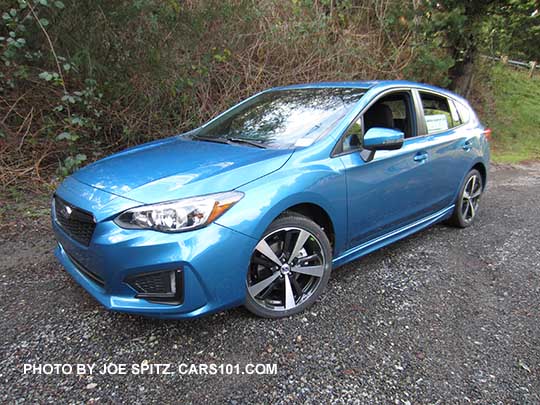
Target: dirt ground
pixel 444 316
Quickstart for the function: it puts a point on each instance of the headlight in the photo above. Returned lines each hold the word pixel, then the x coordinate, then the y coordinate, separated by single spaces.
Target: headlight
pixel 181 215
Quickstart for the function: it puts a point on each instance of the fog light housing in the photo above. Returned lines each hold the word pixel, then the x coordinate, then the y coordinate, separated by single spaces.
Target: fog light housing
pixel 164 287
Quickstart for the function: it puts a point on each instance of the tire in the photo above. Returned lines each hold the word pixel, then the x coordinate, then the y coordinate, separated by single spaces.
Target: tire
pixel 304 254
pixel 468 200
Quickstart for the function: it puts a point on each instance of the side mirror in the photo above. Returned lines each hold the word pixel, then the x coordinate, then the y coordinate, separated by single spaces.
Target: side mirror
pixel 383 139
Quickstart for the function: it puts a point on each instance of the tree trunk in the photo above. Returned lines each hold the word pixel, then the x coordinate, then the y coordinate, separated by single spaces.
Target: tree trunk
pixel 462 83
pixel 462 72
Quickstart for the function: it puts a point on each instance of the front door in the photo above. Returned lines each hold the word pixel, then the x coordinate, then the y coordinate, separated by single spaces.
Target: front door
pixel 389 191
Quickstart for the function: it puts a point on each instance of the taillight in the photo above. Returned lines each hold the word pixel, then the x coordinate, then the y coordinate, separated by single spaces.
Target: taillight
pixel 487 133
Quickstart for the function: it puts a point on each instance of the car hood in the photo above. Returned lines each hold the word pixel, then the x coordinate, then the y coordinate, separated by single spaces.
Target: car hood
pixel 177 168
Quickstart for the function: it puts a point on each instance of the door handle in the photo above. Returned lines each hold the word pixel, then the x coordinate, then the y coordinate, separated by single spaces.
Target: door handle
pixel 467 146
pixel 420 156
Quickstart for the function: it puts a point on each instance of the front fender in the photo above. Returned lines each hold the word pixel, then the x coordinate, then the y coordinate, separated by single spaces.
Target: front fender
pixel 266 198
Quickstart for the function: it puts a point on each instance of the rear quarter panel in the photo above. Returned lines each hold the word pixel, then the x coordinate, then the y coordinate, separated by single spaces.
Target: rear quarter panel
pixel 480 152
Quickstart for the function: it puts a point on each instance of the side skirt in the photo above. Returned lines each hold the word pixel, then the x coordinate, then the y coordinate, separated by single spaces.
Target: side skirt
pixel 384 240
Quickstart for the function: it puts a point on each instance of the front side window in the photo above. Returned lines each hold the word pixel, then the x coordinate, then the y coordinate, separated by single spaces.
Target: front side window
pixel 437 113
pixel 391 111
pixel 284 118
pixel 353 137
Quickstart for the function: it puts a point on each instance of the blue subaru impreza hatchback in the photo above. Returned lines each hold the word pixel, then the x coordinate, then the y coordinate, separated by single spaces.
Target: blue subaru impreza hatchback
pixel 257 206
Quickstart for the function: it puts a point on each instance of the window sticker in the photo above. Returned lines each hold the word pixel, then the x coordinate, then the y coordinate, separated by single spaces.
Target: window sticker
pixel 304 142
pixel 436 122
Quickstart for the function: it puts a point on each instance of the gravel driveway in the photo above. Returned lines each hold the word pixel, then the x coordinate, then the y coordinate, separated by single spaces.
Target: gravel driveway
pixel 444 316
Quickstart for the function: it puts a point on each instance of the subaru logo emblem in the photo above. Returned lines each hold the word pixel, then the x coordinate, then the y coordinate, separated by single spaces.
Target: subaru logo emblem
pixel 66 211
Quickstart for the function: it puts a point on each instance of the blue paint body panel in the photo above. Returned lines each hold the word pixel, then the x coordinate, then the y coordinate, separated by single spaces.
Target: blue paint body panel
pixel 370 203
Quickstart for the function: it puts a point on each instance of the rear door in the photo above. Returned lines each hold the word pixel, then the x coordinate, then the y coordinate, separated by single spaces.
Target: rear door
pixel 448 145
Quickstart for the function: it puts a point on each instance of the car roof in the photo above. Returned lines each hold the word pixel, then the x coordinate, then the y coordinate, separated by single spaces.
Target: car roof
pixel 356 84
pixel 380 85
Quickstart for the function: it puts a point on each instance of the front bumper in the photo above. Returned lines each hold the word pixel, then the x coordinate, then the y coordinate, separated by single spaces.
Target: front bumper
pixel 213 260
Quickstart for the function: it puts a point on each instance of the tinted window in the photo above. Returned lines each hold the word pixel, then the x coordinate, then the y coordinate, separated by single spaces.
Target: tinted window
pixel 283 119
pixel 398 105
pixel 464 113
pixel 391 111
pixel 455 115
pixel 437 113
pixel 353 137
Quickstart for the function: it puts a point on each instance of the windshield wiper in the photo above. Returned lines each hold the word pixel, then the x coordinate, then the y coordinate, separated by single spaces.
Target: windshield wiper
pixel 210 139
pixel 228 141
pixel 247 142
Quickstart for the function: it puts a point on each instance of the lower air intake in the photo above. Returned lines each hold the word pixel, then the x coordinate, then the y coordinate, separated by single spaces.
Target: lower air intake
pixel 160 286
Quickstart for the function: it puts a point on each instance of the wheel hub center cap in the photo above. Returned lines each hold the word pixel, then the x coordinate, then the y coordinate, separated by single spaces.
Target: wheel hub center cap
pixel 285 269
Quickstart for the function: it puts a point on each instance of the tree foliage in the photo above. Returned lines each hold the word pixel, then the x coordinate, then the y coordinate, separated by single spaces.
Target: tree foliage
pixel 513 29
pixel 83 78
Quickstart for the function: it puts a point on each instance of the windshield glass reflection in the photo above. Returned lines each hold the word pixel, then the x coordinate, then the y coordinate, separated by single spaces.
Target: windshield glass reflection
pixel 278 119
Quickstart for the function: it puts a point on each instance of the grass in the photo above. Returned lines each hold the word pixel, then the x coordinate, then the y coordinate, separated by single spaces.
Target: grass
pixel 514 115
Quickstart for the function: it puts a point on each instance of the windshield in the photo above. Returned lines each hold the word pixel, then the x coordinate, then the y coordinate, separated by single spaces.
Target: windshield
pixel 280 119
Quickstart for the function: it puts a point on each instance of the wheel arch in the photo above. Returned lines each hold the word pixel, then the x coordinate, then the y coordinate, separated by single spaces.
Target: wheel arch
pixel 483 172
pixel 317 192
pixel 481 167
pixel 318 215
pixel 253 217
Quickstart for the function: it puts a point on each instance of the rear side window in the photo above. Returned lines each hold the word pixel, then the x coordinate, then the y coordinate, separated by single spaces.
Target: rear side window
pixel 455 114
pixel 437 113
pixel 463 111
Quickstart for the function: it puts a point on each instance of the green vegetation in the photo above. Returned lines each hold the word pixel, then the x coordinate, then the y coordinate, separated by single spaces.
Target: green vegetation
pixel 514 115
pixel 81 79
pixel 513 28
pixel 84 78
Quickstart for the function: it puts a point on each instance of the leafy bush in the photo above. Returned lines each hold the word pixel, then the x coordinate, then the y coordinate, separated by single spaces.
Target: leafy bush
pixel 36 89
pixel 84 78
pixel 87 77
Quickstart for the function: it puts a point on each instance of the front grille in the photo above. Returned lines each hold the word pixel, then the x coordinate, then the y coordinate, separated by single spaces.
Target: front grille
pixel 160 286
pixel 78 224
pixel 90 274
